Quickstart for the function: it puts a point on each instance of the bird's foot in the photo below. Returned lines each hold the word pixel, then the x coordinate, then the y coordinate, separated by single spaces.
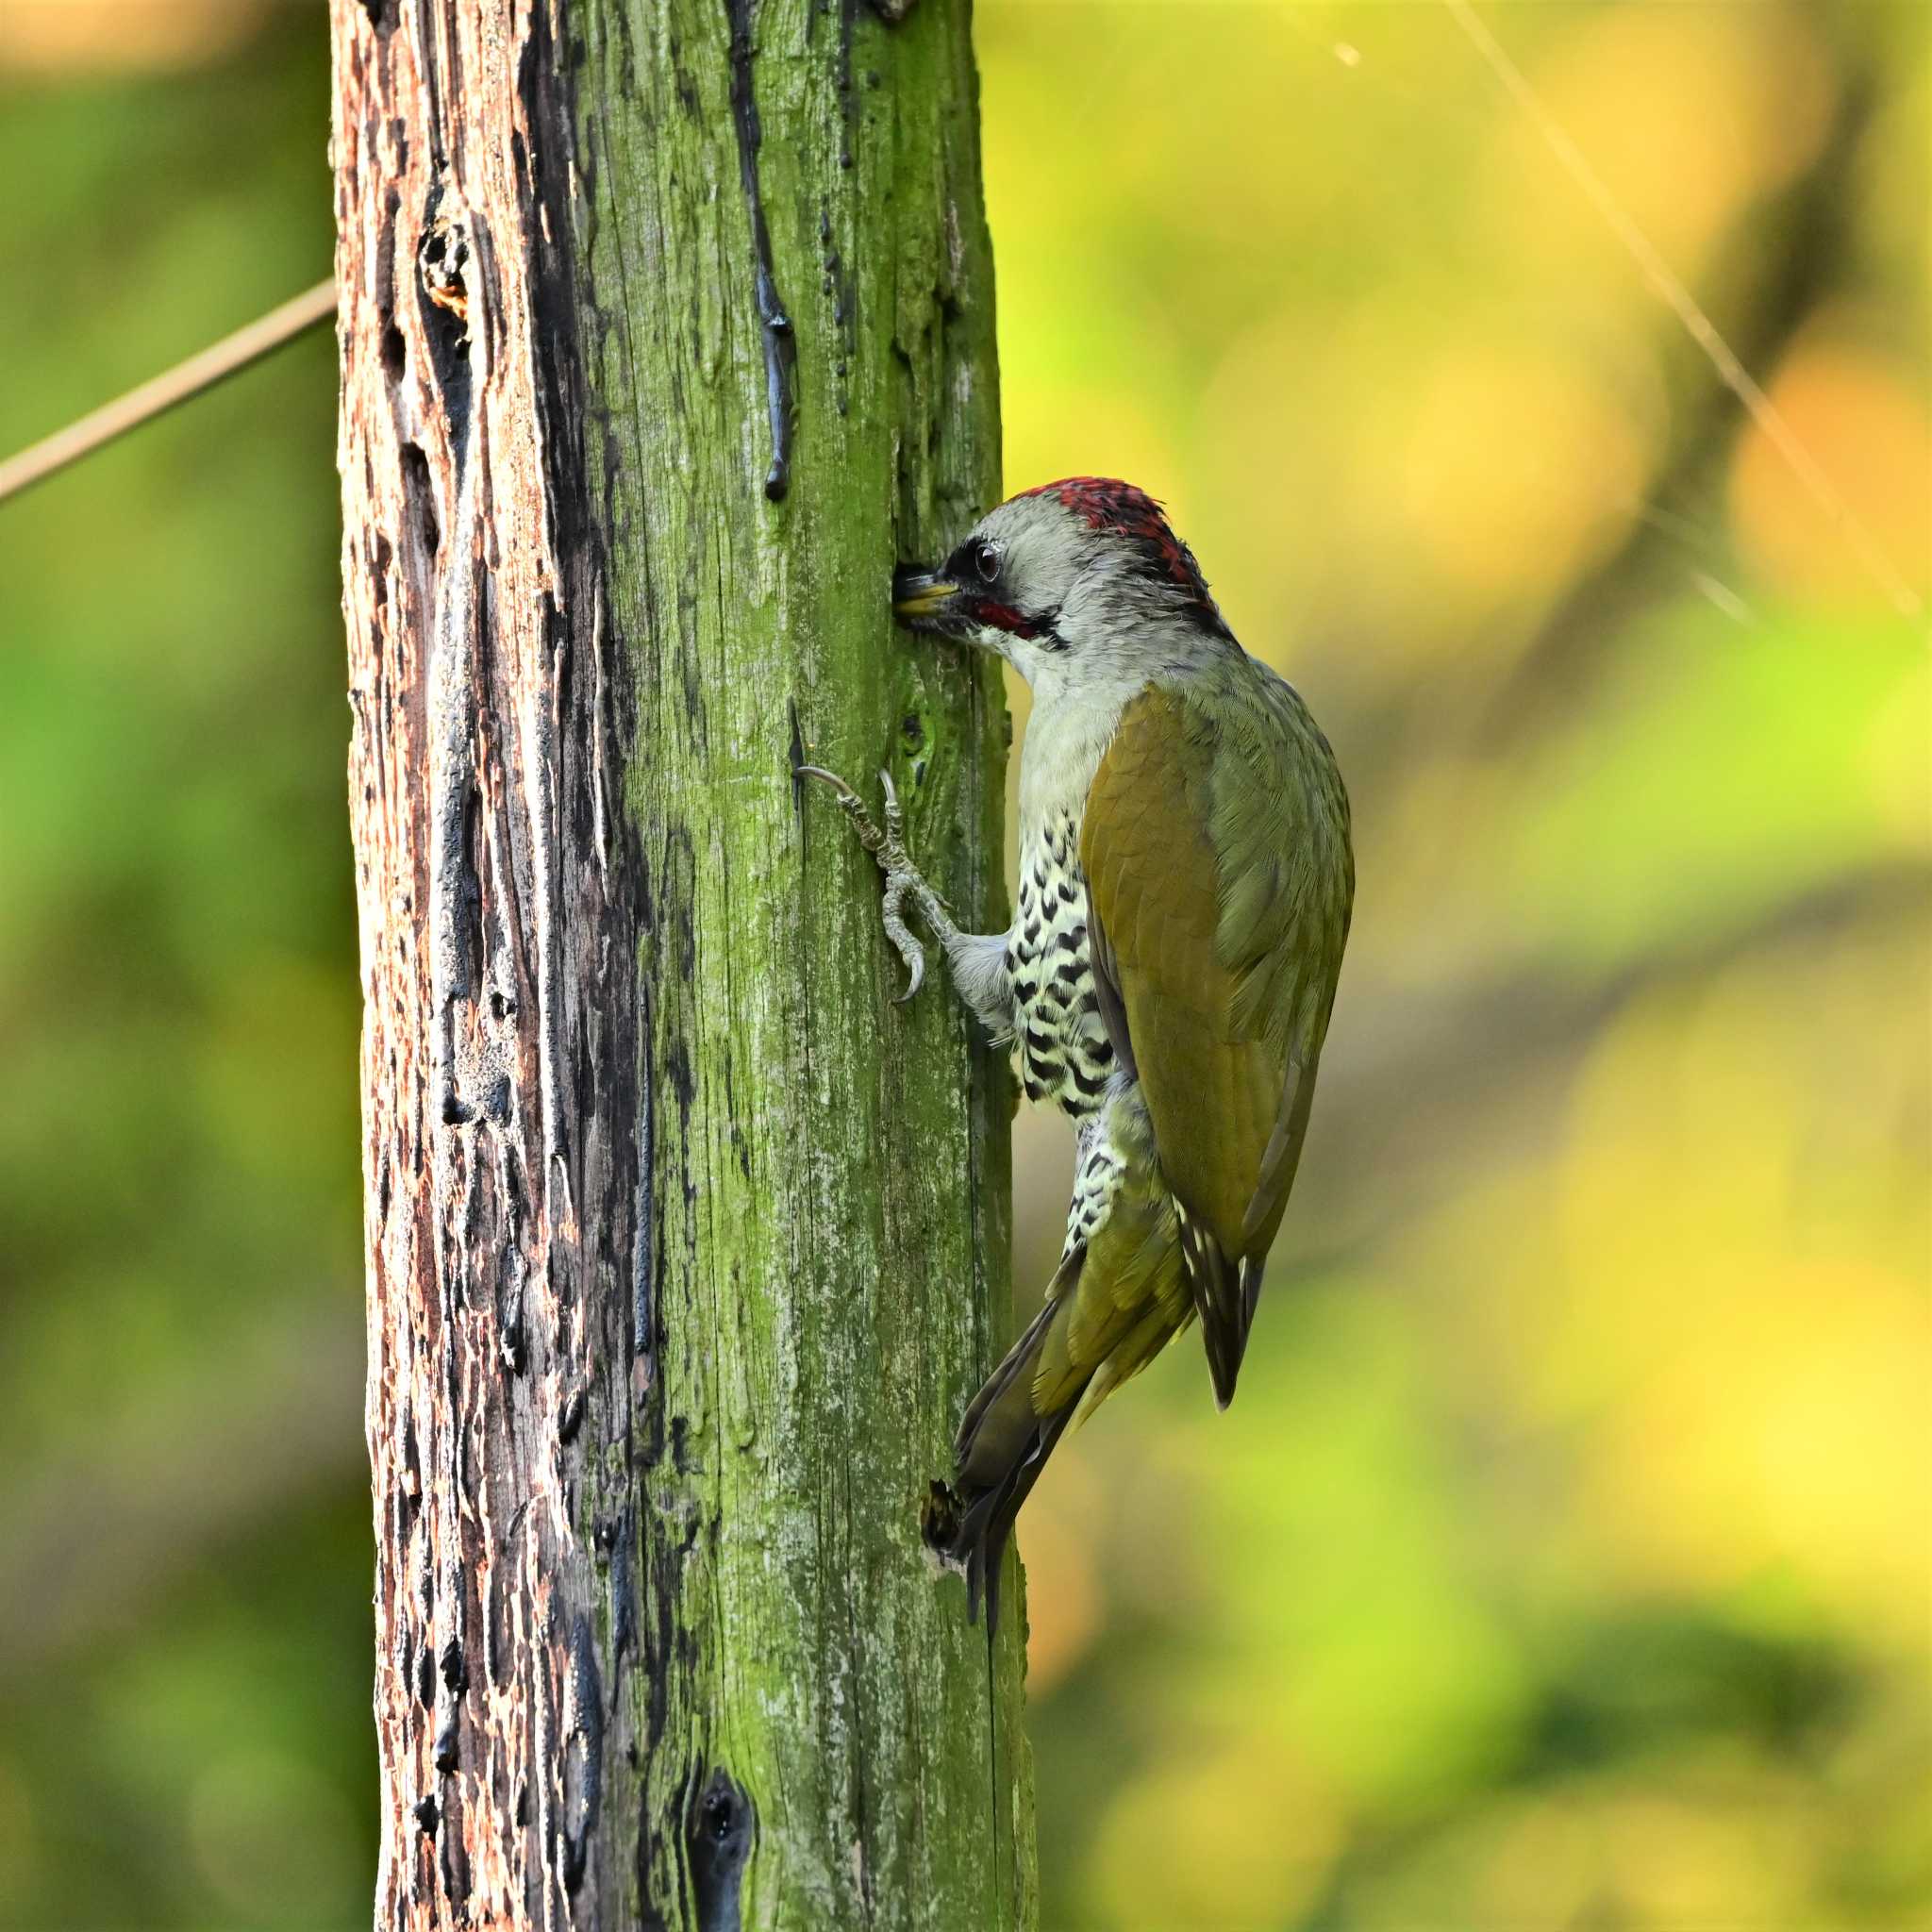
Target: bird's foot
pixel 904 879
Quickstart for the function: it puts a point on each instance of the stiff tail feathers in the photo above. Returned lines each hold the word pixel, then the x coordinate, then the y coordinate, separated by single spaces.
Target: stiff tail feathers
pixel 1224 1292
pixel 1002 1447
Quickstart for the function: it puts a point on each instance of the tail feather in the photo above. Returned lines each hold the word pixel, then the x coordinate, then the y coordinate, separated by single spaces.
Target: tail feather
pixel 1225 1305
pixel 1025 1354
pixel 1118 1297
pixel 1002 1447
pixel 986 1527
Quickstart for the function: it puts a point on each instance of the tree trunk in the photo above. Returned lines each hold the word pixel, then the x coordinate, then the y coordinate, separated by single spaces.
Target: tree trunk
pixel 685 1247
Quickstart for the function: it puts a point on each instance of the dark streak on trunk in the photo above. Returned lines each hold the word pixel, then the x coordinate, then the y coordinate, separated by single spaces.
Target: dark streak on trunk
pixel 780 351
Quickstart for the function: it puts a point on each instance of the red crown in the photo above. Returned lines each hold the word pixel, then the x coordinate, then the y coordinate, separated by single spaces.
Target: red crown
pixel 1108 503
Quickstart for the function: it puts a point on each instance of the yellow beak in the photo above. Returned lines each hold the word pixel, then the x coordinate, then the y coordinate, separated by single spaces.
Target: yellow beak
pixel 920 593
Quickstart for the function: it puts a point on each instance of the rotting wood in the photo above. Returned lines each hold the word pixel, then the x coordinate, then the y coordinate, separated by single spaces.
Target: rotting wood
pixel 685 1247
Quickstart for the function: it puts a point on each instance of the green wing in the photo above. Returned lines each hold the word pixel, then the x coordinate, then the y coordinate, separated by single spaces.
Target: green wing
pixel 1220 885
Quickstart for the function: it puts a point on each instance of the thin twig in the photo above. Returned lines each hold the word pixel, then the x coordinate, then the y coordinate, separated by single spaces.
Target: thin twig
pixel 1684 306
pixel 186 379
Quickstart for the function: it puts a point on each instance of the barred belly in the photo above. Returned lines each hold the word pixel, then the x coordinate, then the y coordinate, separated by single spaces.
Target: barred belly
pixel 1065 1055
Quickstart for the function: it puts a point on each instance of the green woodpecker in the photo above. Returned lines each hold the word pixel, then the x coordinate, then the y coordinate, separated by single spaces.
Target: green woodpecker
pixel 1185 890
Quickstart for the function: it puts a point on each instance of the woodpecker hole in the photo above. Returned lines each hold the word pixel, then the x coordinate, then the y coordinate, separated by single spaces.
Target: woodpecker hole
pixel 443 255
pixel 420 492
pixel 939 1518
pixel 717 1837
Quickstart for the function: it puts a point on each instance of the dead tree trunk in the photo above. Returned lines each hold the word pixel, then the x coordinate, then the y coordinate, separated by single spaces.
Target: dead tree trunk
pixel 685 1247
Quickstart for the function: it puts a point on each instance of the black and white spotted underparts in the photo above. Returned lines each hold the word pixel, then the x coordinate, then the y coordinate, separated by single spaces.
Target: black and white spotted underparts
pixel 1065 1055
pixel 1097 1175
pixel 1032 984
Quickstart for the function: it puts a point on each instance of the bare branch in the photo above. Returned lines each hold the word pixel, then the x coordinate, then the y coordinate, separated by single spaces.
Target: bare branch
pixel 186 379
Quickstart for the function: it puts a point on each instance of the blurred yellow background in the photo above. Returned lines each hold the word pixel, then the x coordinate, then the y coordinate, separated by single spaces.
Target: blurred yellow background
pixel 1567 1559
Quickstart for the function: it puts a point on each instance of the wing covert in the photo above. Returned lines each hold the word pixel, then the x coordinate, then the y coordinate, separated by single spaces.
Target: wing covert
pixel 1215 846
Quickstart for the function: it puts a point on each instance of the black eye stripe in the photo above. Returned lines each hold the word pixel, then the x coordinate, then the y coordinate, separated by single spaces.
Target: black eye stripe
pixel 975 567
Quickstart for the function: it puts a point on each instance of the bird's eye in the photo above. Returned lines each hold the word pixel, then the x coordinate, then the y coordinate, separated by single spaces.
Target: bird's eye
pixel 986 561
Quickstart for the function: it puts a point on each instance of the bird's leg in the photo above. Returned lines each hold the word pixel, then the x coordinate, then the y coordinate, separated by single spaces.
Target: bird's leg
pixel 904 879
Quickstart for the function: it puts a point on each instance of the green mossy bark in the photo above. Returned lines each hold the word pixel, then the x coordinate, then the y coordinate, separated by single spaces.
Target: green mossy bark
pixel 687 1247
pixel 832 1177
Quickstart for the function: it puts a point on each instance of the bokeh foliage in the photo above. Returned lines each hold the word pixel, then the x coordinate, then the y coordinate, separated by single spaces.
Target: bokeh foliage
pixel 1564 1561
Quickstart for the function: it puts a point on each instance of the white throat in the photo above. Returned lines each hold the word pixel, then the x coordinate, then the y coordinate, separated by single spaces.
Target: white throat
pixel 1068 731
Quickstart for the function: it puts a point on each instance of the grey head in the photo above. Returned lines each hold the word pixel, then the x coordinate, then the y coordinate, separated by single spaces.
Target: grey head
pixel 1077 579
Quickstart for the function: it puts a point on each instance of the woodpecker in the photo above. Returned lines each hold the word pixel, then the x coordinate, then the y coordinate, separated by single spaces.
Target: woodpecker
pixel 1186 883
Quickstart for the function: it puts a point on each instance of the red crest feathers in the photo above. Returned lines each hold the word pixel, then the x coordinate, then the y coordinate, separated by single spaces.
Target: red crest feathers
pixel 1108 503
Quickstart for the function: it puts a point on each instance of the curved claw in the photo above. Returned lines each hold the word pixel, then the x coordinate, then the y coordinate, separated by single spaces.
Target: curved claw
pixel 875 840
pixel 901 877
pixel 907 946
pixel 831 779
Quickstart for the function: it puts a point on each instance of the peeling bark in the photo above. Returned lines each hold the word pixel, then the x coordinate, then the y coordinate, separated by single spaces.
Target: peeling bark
pixel 685 1247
